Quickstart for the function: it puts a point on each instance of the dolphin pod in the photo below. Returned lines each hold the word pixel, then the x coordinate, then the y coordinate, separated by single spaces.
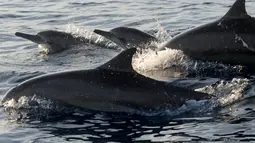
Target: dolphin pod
pixel 112 87
pixel 116 87
pixel 53 41
pixel 229 39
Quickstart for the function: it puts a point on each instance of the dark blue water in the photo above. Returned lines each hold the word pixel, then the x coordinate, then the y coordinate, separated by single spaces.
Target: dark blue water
pixel 227 118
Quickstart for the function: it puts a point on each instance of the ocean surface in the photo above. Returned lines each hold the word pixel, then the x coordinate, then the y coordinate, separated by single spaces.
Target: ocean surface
pixel 228 117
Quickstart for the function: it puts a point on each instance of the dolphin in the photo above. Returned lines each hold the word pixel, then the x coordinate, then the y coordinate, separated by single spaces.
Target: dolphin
pixel 111 87
pixel 127 37
pixel 53 41
pixel 230 39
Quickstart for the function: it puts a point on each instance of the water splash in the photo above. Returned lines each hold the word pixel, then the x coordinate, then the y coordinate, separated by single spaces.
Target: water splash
pixel 89 35
pixel 151 60
pixel 34 107
pixel 192 107
pixel 227 92
pixel 162 35
pixel 28 102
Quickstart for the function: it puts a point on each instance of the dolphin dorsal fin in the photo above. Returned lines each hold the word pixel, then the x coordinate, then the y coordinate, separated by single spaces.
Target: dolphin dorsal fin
pixel 122 62
pixel 237 10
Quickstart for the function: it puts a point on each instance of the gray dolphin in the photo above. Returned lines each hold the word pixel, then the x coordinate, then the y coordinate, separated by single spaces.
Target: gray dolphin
pixel 231 39
pixel 53 41
pixel 112 87
pixel 127 37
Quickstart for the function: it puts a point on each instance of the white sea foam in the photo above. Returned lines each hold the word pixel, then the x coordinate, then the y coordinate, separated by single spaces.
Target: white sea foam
pixel 227 92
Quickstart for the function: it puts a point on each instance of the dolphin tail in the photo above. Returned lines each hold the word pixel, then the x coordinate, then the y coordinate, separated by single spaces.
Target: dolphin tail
pixel 114 38
pixel 34 38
